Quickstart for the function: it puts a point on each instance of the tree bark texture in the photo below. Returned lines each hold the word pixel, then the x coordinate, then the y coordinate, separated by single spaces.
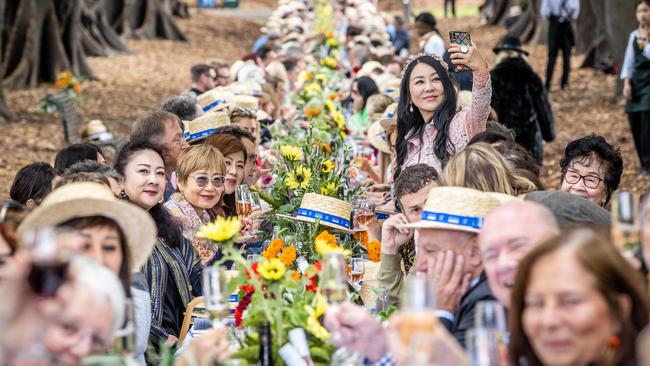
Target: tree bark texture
pixel 148 19
pixel 495 11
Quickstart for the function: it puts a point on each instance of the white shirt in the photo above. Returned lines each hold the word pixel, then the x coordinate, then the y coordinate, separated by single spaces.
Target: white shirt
pixel 628 62
pixel 570 10
pixel 435 46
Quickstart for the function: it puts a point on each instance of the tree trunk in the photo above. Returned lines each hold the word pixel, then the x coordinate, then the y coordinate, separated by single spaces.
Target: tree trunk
pixel 148 19
pixel 98 36
pixel 494 11
pixel 527 26
pixel 619 22
pixel 180 9
pixel 4 110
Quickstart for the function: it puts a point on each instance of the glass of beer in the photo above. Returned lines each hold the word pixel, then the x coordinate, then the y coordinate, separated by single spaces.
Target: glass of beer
pixel 243 202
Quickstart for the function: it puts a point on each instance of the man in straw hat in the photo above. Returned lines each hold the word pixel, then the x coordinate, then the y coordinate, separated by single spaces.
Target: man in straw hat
pixel 446 240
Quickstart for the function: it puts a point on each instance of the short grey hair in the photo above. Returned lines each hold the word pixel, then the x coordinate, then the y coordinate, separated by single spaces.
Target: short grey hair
pixel 91 166
pixel 183 106
pixel 103 285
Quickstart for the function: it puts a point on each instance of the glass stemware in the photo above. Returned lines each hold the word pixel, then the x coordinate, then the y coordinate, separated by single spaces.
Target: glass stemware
pixel 243 203
pixel 357 269
pixel 215 295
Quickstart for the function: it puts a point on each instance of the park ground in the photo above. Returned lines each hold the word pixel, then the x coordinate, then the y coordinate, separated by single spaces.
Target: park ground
pixel 130 85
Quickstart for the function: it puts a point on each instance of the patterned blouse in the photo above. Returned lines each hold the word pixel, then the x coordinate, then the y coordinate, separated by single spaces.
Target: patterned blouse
pixel 464 125
pixel 190 221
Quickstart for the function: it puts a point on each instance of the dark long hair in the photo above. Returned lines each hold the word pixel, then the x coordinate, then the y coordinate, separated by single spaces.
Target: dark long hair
pixel 367 87
pixel 613 277
pixel 411 124
pixel 168 229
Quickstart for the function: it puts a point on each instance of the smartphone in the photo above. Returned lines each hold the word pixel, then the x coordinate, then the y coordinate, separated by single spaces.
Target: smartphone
pixel 462 39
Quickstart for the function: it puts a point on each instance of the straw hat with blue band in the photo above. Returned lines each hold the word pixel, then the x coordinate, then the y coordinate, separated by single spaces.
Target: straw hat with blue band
pixel 204 126
pixel 456 208
pixel 246 102
pixel 391 88
pixel 214 100
pixel 328 211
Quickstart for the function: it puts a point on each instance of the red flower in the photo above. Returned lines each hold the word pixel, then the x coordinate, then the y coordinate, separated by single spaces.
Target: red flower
pixel 242 306
pixel 246 289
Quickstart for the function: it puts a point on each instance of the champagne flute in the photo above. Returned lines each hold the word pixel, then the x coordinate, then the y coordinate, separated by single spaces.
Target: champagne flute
pixel 483 348
pixel 490 314
pixel 243 201
pixel 333 279
pixel 124 338
pixel 626 227
pixel 418 304
pixel 256 206
pixel 215 294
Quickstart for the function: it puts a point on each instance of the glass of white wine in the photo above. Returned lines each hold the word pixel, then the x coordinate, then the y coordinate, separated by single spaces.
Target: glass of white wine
pixel 215 294
pixel 333 280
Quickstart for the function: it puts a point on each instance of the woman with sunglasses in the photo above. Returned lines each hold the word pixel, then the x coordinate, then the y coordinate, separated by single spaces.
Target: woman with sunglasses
pixel 199 172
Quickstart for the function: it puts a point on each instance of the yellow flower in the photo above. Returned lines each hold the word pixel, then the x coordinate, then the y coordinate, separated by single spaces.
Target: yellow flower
pixel 327 166
pixel 330 105
pixel 324 241
pixel 313 87
pixel 313 325
pixel 220 230
pixel 273 249
pixel 328 189
pixel 63 80
pixel 339 119
pixel 305 76
pixel 295 275
pixel 332 96
pixel 299 179
pixel 272 270
pixel 374 251
pixel 288 255
pixel 321 77
pixel 329 34
pixel 290 152
pixel 329 62
pixel 332 42
pixel 335 54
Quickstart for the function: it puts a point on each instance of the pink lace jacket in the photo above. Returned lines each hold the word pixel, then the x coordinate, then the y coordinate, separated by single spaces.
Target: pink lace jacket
pixel 464 125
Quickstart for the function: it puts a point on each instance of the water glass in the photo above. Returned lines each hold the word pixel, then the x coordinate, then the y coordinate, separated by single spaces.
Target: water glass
pixel 215 294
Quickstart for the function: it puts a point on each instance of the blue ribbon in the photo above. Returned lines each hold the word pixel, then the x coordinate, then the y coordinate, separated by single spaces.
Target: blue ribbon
pixel 381 216
pixel 474 222
pixel 213 104
pixel 202 134
pixel 324 217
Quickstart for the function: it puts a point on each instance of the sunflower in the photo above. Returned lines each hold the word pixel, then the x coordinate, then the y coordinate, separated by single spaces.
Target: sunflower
pixel 339 119
pixel 313 325
pixel 273 249
pixel 299 179
pixel 313 87
pixel 330 105
pixel 332 42
pixel 220 230
pixel 288 255
pixel 328 189
pixel 327 166
pixel 290 152
pixel 272 270
pixel 305 76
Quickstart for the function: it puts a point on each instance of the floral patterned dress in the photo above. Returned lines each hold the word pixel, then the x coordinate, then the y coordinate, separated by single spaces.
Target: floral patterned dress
pixel 190 221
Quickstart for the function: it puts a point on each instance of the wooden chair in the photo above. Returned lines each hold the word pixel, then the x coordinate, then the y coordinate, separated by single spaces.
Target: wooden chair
pixel 187 319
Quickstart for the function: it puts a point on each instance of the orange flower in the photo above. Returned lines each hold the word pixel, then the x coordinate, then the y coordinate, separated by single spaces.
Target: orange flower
pixel 326 238
pixel 329 34
pixel 332 96
pixel 312 112
pixel 362 237
pixel 295 275
pixel 325 148
pixel 288 255
pixel 374 251
pixel 76 88
pixel 274 248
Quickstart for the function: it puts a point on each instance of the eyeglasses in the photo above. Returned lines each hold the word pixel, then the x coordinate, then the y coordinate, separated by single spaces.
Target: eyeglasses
pixel 202 180
pixel 590 181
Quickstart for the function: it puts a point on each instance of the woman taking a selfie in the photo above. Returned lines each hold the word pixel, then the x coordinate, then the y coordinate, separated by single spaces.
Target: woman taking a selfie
pixel 430 129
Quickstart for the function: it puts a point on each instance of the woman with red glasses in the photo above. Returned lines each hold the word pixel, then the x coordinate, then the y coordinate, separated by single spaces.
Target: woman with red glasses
pixel 591 168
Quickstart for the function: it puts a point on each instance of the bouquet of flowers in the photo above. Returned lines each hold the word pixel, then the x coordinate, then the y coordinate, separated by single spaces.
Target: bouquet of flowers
pixel 66 83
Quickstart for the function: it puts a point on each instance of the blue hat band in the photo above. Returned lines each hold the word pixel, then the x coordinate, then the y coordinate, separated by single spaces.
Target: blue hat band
pixel 323 217
pixel 474 222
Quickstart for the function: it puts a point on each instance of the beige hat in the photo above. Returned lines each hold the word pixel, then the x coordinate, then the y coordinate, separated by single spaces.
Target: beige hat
pixel 215 99
pixel 391 88
pixel 262 116
pixel 85 199
pixel 204 126
pixel 455 208
pixel 371 68
pixel 378 138
pixel 250 88
pixel 389 119
pixel 328 211
pixel 246 102
pixel 234 69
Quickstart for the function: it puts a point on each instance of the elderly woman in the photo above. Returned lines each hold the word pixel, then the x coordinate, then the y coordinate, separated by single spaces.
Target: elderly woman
pixel 591 168
pixel 173 271
pixel 430 129
pixel 576 301
pixel 200 174
pixel 481 167
pixel 92 222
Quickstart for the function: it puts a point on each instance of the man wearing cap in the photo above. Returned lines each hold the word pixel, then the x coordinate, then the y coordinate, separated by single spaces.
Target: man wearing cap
pixel 508 234
pixel 446 240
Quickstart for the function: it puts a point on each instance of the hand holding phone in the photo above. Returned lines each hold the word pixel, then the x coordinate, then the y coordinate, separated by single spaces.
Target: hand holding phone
pixel 464 40
pixel 464 55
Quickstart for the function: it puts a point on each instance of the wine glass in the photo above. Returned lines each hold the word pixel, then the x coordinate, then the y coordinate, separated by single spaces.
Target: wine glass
pixel 357 269
pixel 256 206
pixel 49 269
pixel 483 347
pixel 418 304
pixel 490 314
pixel 215 294
pixel 626 227
pixel 363 214
pixel 333 278
pixel 124 338
pixel 243 203
pixel 421 349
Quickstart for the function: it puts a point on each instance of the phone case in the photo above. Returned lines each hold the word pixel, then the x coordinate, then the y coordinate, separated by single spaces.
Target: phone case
pixel 463 39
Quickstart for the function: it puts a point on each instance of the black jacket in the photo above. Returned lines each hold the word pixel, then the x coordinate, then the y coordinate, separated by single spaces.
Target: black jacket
pixel 519 98
pixel 464 316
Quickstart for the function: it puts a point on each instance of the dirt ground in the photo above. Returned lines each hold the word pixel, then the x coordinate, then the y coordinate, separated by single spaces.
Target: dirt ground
pixel 132 84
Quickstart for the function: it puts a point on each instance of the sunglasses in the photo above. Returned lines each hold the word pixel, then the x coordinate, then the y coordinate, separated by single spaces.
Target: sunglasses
pixel 202 180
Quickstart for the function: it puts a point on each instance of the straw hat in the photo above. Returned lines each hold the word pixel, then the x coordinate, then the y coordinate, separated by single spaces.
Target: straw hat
pixel 263 116
pixel 329 211
pixel 389 119
pixel 85 199
pixel 215 99
pixel 204 126
pixel 378 138
pixel 250 88
pixel 95 130
pixel 246 102
pixel 455 208
pixel 391 88
pixel 234 69
pixel 371 68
